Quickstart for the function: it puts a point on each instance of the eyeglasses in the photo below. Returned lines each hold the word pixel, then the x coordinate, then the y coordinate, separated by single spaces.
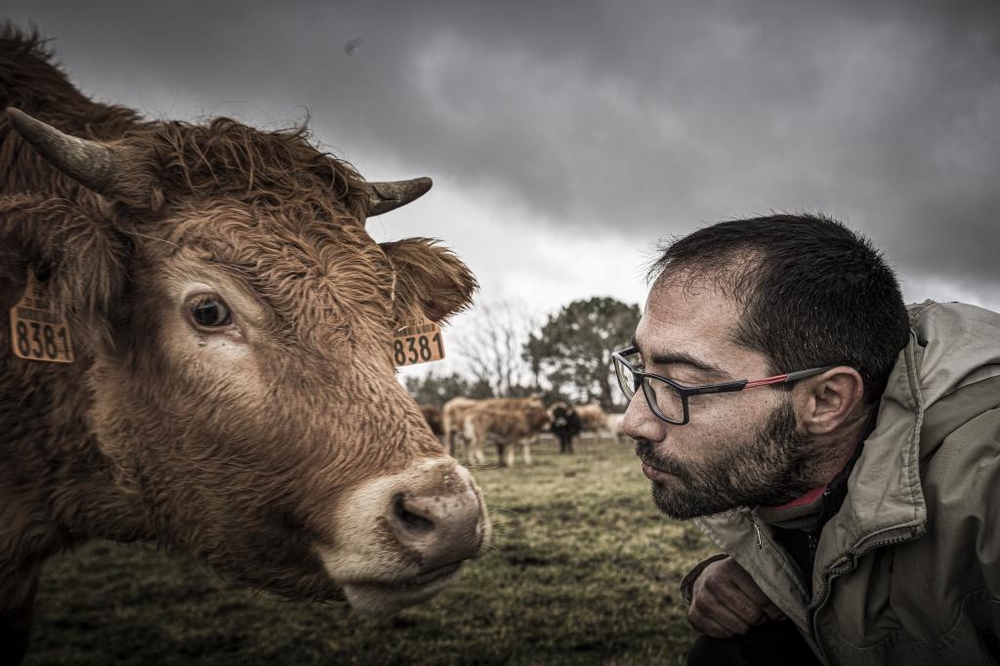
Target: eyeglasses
pixel 668 400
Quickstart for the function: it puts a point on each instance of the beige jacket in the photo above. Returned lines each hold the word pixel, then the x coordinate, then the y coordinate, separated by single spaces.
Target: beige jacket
pixel 908 571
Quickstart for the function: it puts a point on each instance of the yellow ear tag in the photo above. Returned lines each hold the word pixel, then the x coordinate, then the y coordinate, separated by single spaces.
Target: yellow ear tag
pixel 418 343
pixel 38 331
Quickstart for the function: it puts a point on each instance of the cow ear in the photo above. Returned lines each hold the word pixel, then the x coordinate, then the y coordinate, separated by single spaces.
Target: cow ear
pixel 430 281
pixel 82 257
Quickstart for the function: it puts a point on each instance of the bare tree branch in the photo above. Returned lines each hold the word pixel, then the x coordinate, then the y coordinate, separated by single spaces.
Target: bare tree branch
pixel 492 347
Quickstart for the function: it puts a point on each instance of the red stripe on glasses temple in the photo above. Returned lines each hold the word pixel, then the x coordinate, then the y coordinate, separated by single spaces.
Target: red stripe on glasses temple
pixel 777 379
pixel 788 377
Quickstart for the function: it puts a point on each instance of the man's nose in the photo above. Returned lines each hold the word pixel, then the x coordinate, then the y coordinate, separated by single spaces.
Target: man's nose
pixel 639 421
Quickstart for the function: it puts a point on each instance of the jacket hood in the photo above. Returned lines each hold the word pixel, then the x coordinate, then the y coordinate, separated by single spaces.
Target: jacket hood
pixel 959 346
pixel 958 365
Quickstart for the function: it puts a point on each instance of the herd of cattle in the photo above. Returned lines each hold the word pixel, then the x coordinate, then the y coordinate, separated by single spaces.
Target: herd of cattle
pixel 465 426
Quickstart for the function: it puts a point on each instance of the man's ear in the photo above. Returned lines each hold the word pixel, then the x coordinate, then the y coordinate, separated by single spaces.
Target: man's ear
pixel 828 401
pixel 430 281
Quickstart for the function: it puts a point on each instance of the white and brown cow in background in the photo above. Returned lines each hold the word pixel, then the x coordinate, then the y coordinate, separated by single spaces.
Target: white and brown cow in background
pixel 195 350
pixel 615 426
pixel 452 417
pixel 508 423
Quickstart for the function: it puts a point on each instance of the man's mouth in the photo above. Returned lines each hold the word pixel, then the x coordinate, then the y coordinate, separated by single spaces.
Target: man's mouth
pixel 661 471
pixel 653 473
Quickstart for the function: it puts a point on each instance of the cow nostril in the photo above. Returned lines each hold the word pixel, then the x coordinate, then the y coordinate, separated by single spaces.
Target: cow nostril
pixel 410 520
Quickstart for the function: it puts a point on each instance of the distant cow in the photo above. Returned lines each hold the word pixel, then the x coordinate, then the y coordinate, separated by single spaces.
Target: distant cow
pixel 432 415
pixel 452 415
pixel 515 422
pixel 196 350
pixel 615 426
pixel 565 425
pixel 453 420
pixel 593 419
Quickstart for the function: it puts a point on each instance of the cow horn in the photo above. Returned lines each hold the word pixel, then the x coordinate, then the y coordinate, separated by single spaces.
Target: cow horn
pixel 90 163
pixel 393 194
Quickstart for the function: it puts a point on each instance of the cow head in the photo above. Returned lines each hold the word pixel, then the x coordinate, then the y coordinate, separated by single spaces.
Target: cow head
pixel 237 321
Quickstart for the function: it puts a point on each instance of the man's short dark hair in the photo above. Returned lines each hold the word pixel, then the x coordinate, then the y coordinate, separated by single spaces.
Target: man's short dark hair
pixel 812 291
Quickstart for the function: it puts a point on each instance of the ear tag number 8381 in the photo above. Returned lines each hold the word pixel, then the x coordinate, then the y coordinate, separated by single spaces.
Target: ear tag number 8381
pixel 419 343
pixel 38 330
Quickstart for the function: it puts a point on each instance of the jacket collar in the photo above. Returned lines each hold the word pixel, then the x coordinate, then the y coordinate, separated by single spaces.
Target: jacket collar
pixel 951 347
pixel 885 502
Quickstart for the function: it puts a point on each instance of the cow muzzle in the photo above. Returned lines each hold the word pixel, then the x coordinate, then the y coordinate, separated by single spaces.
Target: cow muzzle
pixel 402 538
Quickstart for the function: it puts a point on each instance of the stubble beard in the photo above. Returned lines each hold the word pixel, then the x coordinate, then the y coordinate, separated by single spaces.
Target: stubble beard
pixel 770 469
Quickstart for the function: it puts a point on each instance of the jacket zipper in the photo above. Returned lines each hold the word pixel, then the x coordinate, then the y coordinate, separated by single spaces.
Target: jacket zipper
pixel 756 530
pixel 825 514
pixel 834 572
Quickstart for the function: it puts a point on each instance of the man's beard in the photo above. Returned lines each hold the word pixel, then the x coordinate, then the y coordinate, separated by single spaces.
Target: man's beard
pixel 770 469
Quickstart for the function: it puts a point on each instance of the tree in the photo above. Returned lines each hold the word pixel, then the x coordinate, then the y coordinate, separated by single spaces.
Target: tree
pixel 572 350
pixel 436 390
pixel 492 345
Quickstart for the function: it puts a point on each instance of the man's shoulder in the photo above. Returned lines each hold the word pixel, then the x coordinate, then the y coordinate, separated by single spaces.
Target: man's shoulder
pixel 933 321
pixel 952 346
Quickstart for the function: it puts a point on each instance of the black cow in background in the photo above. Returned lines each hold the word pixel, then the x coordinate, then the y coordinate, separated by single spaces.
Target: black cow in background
pixel 565 425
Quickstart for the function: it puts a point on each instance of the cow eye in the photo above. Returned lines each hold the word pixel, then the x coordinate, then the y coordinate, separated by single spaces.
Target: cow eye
pixel 209 311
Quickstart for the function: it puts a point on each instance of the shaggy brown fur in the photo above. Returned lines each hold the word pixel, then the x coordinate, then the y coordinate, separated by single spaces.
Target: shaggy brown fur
pixel 233 443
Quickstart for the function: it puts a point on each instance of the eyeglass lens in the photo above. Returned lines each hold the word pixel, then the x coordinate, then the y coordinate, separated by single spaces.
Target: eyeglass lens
pixel 664 396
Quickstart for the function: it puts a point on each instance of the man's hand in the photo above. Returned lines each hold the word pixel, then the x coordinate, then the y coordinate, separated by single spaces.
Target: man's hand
pixel 725 601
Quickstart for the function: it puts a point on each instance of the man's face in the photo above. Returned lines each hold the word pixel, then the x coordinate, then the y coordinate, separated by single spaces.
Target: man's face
pixel 738 449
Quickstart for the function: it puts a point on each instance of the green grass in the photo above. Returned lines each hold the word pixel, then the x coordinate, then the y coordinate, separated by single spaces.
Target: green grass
pixel 582 570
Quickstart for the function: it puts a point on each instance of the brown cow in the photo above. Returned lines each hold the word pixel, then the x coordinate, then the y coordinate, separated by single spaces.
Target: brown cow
pixel 433 417
pixel 453 421
pixel 452 416
pixel 593 419
pixel 508 423
pixel 229 321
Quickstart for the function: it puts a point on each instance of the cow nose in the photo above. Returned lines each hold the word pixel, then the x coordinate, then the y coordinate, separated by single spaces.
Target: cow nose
pixel 442 527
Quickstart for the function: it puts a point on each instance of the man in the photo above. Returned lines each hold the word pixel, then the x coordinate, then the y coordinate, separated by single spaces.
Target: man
pixel 842 450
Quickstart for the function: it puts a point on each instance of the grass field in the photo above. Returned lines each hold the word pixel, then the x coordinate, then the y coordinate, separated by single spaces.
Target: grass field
pixel 583 570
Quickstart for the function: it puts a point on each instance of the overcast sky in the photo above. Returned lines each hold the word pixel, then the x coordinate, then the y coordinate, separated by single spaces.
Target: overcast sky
pixel 566 138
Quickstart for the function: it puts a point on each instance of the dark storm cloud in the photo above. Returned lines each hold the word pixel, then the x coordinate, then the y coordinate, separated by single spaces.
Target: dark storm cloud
pixel 643 116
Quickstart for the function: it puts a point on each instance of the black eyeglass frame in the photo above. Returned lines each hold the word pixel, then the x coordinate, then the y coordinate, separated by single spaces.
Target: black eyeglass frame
pixel 685 392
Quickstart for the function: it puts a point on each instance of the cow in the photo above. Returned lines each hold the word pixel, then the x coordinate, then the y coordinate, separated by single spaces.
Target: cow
pixel 565 425
pixel 452 416
pixel 507 422
pixel 453 420
pixel 615 427
pixel 593 419
pixel 432 415
pixel 196 351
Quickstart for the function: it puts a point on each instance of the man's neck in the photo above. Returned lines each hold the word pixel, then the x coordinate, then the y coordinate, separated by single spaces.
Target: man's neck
pixel 835 449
